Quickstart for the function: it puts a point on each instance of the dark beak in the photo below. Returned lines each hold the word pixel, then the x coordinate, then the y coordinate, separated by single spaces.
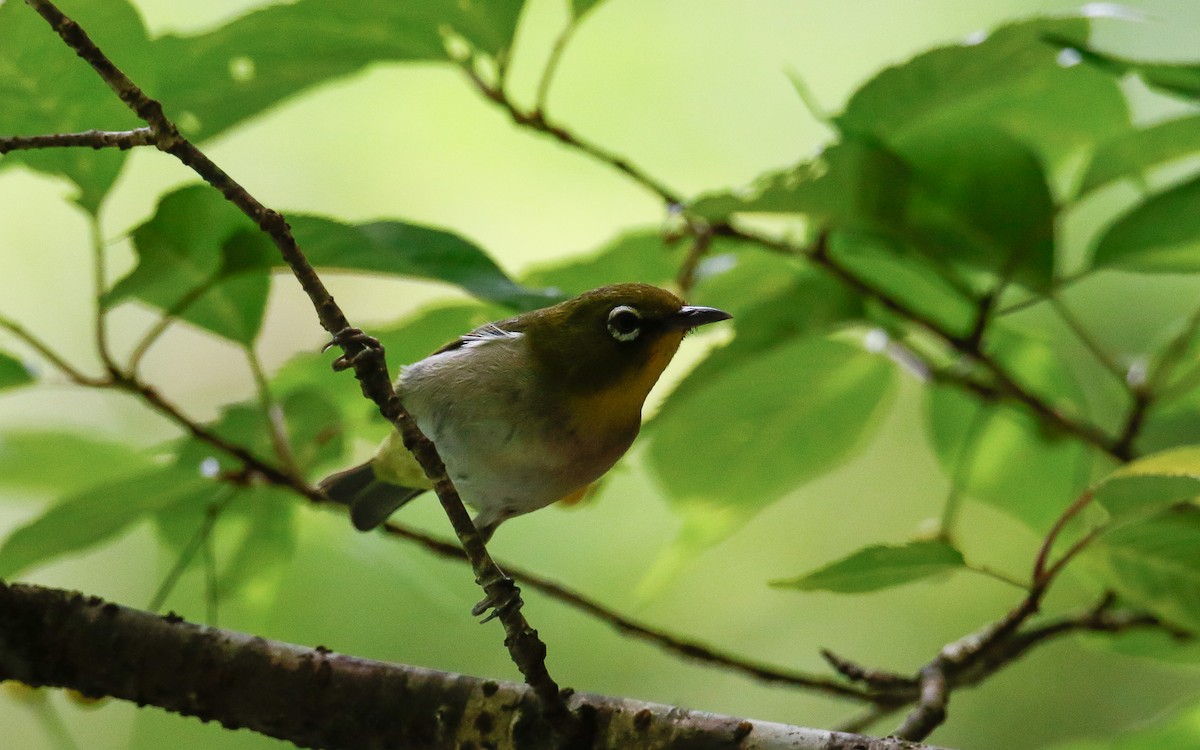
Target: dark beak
pixel 694 316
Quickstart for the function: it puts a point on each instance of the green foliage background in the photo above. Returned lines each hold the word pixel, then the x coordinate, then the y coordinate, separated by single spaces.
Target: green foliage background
pixel 688 532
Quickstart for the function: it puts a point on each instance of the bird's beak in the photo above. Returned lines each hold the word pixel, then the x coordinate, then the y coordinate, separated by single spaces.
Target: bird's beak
pixel 694 316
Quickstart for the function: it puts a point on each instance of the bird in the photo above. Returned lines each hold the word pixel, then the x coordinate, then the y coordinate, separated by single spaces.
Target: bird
pixel 529 410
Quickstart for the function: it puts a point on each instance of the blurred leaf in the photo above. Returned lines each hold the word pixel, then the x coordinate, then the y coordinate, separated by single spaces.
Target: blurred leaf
pixel 738 441
pixel 915 281
pixel 640 255
pixel 393 247
pixel 1178 79
pixel 95 515
pixel 217 79
pixel 879 567
pixel 1012 81
pixel 580 7
pixel 1003 456
pixel 970 198
pixel 13 372
pixel 45 88
pixel 63 461
pixel 1173 425
pixel 774 302
pixel 314 429
pixel 1151 483
pixel 1155 564
pixel 203 261
pixel 1132 153
pixel 1160 235
pixel 267 542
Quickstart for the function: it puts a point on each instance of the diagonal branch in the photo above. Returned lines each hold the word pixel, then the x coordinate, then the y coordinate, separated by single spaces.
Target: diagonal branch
pixel 526 649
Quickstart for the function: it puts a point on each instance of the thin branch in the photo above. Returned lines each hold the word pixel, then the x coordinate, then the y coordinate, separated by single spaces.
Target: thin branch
pixel 526 649
pixel 1089 342
pixel 537 121
pixel 547 78
pixel 165 321
pixel 193 545
pixel 1171 355
pixel 96 139
pixel 701 243
pixel 61 364
pixel 273 414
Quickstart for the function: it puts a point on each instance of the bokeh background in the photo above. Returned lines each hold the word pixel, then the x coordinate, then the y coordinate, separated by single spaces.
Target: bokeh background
pixel 698 94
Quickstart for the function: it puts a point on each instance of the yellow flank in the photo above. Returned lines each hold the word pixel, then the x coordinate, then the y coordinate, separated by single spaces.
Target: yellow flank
pixel 395 465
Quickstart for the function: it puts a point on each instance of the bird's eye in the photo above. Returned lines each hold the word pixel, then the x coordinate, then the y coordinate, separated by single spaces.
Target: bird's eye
pixel 624 323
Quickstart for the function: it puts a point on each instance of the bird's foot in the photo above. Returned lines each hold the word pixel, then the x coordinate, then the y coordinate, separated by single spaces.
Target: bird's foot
pixel 370 347
pixel 504 597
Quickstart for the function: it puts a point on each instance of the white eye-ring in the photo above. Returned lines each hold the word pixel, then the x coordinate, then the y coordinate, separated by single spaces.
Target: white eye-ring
pixel 624 323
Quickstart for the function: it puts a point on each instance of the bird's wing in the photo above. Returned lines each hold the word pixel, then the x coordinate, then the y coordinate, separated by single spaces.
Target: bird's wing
pixel 497 331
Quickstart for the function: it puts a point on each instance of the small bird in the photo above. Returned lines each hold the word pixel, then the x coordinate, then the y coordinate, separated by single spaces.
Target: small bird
pixel 530 410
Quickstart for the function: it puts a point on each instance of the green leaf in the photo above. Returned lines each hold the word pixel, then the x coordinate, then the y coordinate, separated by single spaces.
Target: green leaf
pixel 738 441
pixel 202 260
pixel 1151 483
pixel 1177 79
pixel 13 372
pixel 1160 235
pixel 45 88
pixel 1178 729
pixel 267 542
pixel 217 79
pixel 964 198
pixel 1155 564
pixel 54 461
pixel 880 566
pixel 641 255
pixel 1132 153
pixel 1011 81
pixel 393 247
pixel 87 518
pixel 1001 454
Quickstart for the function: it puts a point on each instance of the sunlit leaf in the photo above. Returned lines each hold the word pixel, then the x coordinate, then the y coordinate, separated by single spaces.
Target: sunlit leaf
pixel 1155 564
pixel 13 372
pixel 216 79
pixel 59 461
pixel 741 440
pixel 87 518
pixel 201 260
pixel 880 566
pixel 1009 80
pixel 45 88
pixel 1151 483
pixel 1160 235
pixel 394 247
pixel 1132 153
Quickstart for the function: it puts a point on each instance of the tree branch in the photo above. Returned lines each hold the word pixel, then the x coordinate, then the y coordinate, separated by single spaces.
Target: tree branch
pixel 526 649
pixel 316 698
pixel 96 139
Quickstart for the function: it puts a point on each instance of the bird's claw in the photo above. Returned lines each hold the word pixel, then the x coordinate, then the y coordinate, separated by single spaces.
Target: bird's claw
pixel 499 602
pixel 370 347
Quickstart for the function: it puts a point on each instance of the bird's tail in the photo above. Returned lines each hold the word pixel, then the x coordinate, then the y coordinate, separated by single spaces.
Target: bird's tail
pixel 371 500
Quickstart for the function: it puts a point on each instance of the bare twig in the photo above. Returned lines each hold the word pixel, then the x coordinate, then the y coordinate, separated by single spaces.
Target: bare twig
pixel 930 710
pixel 96 139
pixel 51 356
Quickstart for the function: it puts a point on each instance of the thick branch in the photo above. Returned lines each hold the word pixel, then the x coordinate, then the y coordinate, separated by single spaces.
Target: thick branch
pixel 315 698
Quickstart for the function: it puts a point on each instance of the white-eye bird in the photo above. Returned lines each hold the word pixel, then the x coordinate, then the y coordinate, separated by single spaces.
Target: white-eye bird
pixel 529 410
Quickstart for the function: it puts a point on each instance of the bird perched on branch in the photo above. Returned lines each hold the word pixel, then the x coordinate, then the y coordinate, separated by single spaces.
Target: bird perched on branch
pixel 529 410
